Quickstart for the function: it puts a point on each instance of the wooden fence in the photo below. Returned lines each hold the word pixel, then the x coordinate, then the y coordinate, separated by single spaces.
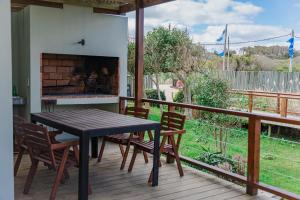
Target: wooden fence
pixel 270 81
pixel 282 101
pixel 254 133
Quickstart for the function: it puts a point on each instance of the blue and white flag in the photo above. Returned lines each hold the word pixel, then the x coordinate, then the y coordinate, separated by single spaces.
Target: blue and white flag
pixel 221 38
pixel 291 47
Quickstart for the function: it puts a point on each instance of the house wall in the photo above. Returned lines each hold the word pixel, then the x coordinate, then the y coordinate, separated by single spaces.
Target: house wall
pixel 6 136
pixel 54 30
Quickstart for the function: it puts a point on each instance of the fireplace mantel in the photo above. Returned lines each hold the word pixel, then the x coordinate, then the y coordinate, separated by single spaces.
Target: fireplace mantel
pixel 80 99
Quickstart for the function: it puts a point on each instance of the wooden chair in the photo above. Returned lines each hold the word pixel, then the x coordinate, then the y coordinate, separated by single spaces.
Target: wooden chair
pixel 171 124
pixel 58 156
pixel 20 147
pixel 125 139
pixel 19 135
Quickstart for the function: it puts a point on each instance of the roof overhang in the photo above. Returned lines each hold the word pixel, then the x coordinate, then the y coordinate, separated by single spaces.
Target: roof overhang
pixel 116 7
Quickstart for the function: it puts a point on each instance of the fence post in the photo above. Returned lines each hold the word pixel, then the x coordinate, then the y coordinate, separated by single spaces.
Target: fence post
pixel 170 159
pixel 278 104
pixel 250 102
pixel 121 106
pixel 283 106
pixel 254 130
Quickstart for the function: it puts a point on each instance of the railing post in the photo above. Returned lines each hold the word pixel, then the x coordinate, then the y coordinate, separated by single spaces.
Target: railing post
pixel 254 130
pixel 283 106
pixel 250 102
pixel 170 159
pixel 121 106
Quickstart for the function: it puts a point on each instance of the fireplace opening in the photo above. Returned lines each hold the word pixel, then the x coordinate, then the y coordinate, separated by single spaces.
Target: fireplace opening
pixel 79 75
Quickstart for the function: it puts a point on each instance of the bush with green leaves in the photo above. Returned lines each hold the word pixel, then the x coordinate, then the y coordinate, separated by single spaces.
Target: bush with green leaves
pixel 179 97
pixel 152 94
pixel 214 92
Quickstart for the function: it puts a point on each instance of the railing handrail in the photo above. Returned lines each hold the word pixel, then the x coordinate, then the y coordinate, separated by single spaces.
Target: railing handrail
pixel 266 117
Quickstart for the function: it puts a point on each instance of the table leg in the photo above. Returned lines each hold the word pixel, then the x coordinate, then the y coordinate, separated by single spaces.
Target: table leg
pixel 156 155
pixel 83 167
pixel 94 148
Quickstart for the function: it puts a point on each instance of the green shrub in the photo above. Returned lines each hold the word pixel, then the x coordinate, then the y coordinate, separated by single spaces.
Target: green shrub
pixel 179 97
pixel 214 92
pixel 152 94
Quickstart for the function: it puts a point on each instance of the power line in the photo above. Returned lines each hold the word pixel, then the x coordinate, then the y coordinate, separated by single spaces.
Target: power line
pixel 245 42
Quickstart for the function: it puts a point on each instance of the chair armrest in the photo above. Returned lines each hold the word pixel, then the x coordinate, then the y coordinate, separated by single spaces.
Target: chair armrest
pixel 55 133
pixel 171 132
pixel 64 145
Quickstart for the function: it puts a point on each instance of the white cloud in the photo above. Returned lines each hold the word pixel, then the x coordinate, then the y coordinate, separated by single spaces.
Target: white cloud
pixel 210 16
pixel 190 13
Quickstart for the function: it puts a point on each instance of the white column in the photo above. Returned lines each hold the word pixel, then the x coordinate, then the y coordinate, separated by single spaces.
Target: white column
pixel 6 136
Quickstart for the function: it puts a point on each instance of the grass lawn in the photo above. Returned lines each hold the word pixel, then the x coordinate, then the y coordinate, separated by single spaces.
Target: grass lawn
pixel 280 159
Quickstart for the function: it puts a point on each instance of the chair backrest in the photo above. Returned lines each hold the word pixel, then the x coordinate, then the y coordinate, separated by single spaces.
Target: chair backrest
pixel 172 121
pixel 38 142
pixel 17 125
pixel 36 137
pixel 137 112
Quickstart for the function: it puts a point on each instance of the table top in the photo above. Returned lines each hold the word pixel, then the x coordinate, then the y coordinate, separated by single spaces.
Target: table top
pixel 93 122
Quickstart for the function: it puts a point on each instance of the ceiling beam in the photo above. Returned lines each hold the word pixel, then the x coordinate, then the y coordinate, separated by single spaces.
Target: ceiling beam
pixel 38 3
pixel 106 11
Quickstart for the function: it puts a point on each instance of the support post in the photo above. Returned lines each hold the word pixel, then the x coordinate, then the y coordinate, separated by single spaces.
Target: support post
pixel 283 106
pixel 121 106
pixel 250 102
pixel 254 131
pixel 6 109
pixel 139 53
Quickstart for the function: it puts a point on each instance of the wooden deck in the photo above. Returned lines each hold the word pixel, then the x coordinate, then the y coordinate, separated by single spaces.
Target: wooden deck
pixel 109 183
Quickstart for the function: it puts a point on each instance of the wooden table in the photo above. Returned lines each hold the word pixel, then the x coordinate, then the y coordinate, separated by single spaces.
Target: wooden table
pixel 91 123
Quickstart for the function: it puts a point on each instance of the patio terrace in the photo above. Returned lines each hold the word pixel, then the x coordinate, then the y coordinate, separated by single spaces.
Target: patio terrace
pixel 109 183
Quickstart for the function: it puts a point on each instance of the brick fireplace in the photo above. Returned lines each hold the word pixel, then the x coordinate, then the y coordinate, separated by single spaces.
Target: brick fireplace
pixel 77 75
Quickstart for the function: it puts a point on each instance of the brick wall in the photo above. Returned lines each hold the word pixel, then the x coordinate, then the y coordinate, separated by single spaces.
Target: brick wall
pixel 57 70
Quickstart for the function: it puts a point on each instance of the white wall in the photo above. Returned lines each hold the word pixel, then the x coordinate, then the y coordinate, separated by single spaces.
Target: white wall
pixel 6 136
pixel 55 30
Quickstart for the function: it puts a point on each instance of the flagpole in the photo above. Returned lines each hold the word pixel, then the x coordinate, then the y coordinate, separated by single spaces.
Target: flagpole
pixel 291 57
pixel 225 43
pixel 228 53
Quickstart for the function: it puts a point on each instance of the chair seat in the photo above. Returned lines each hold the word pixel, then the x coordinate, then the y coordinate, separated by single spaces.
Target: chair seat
pixel 121 138
pixel 148 146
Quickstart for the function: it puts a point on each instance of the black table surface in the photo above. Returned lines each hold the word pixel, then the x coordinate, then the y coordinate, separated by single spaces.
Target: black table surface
pixel 94 122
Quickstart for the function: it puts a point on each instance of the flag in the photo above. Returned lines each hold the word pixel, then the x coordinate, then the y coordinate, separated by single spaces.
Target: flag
pixel 221 38
pixel 291 47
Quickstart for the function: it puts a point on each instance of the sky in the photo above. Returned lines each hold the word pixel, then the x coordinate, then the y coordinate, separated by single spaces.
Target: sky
pixel 246 19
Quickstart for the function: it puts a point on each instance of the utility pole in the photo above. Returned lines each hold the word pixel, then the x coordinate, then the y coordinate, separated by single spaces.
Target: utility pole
pixel 225 43
pixel 228 53
pixel 292 56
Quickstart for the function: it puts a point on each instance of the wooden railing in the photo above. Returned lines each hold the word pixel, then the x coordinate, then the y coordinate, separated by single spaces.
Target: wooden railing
pixel 254 132
pixel 282 100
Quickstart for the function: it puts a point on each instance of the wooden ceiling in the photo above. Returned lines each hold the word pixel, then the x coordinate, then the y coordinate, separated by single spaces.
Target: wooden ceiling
pixel 117 7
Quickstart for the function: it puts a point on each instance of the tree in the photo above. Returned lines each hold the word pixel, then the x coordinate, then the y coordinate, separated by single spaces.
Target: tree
pixel 160 45
pixel 191 59
pixel 131 58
